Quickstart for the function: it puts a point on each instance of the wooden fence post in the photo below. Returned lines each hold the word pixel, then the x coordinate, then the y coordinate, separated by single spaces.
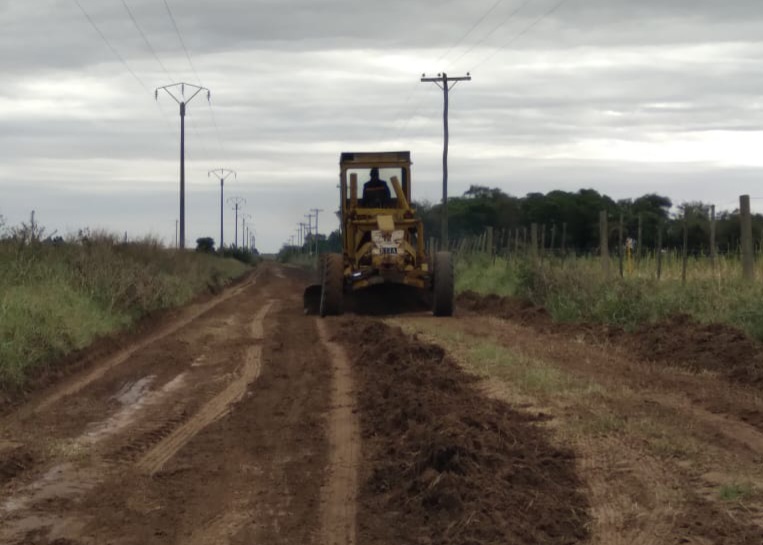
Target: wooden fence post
pixel 604 242
pixel 564 239
pixel 685 250
pixel 489 241
pixel 748 258
pixel 553 237
pixel 620 245
pixel 534 241
pixel 713 252
pixel 543 240
pixel 516 241
pixel 639 253
pixel 659 250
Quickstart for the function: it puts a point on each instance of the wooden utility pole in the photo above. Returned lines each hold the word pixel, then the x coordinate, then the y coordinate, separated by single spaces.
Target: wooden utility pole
pixel 446 83
pixel 316 211
pixel 182 102
pixel 745 218
pixel 223 173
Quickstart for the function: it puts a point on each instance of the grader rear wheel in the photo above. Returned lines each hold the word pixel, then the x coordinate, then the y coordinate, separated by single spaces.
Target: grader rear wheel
pixel 332 287
pixel 443 284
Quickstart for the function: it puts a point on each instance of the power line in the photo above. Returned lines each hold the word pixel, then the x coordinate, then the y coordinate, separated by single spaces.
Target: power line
pixel 474 26
pixel 182 42
pixel 469 50
pixel 532 25
pixel 510 16
pixel 217 128
pixel 121 59
pixel 193 68
pixel 111 47
pixel 145 39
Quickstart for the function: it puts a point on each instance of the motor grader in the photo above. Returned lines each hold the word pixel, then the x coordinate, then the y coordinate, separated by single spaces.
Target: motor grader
pixel 383 240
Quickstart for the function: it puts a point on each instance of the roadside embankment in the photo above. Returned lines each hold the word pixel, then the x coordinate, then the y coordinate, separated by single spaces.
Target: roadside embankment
pixel 59 298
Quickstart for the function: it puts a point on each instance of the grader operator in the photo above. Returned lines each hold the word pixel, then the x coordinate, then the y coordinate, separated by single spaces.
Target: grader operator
pixel 382 239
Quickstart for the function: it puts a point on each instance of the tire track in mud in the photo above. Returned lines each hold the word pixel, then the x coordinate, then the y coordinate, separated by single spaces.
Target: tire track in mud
pixel 154 460
pixel 123 355
pixel 339 508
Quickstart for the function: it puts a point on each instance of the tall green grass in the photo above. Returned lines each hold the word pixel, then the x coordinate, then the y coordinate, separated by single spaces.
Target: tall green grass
pixel 577 290
pixel 55 298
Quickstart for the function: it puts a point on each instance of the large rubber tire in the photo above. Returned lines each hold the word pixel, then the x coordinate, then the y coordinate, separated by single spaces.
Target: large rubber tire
pixel 332 285
pixel 443 292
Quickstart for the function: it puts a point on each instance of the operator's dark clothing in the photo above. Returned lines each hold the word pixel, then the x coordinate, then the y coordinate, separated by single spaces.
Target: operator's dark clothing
pixel 376 194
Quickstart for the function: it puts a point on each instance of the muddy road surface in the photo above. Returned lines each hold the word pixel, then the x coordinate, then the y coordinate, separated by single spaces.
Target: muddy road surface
pixel 239 420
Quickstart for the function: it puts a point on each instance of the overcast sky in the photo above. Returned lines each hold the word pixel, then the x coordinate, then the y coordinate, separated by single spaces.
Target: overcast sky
pixel 623 96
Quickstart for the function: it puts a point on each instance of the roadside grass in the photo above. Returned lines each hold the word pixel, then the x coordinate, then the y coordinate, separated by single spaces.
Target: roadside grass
pixel 584 408
pixel 528 377
pixel 621 434
pixel 577 290
pixel 56 298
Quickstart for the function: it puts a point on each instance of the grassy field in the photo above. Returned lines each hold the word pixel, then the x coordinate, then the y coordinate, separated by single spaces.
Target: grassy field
pixel 577 290
pixel 55 298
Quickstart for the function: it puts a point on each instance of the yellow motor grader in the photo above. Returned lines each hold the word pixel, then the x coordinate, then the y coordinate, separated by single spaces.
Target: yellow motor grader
pixel 383 240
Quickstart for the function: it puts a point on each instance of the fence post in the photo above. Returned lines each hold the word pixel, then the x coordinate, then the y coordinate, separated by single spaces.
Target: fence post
pixel 553 237
pixel 620 245
pixel 564 239
pixel 745 219
pixel 713 253
pixel 516 241
pixel 534 240
pixel 543 240
pixel 489 241
pixel 604 242
pixel 685 250
pixel 659 250
pixel 639 254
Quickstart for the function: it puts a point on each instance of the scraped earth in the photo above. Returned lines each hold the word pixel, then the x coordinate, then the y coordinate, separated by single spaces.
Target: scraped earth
pixel 241 420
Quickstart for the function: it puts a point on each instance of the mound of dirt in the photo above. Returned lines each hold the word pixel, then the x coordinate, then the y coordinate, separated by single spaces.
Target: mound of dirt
pixel 444 465
pixel 510 308
pixel 713 347
pixel 678 340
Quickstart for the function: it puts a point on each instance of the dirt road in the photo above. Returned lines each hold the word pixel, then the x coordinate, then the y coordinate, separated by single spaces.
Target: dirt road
pixel 240 420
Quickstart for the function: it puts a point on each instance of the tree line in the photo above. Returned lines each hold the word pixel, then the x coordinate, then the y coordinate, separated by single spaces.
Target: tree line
pixel 576 216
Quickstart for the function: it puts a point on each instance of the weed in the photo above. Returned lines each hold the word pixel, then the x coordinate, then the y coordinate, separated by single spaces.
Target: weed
pixel 735 491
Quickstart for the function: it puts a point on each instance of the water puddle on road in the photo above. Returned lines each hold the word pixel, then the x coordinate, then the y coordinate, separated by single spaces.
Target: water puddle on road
pixel 69 480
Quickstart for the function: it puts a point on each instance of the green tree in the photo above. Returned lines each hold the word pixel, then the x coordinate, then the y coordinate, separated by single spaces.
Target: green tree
pixel 205 245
